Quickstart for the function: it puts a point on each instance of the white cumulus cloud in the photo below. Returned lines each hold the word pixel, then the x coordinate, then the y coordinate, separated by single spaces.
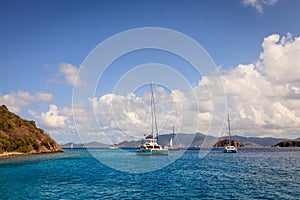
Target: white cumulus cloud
pixel 263 99
pixel 129 116
pixel 15 101
pixel 264 96
pixel 55 118
pixel 280 58
pixel 69 72
pixel 52 118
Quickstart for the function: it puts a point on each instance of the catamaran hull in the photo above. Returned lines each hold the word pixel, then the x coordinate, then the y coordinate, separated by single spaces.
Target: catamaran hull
pixel 154 152
pixel 230 150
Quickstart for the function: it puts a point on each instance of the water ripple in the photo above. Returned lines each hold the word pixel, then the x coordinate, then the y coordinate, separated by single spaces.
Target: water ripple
pixel 266 173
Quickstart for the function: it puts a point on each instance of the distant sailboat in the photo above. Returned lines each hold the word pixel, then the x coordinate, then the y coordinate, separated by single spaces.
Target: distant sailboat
pixel 173 144
pixel 114 146
pixel 151 147
pixel 229 148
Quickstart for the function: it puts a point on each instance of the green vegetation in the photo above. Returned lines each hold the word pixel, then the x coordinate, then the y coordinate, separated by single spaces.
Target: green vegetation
pixel 19 135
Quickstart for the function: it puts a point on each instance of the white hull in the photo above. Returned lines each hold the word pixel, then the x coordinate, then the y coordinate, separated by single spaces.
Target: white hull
pixel 150 147
pixel 230 149
pixel 162 152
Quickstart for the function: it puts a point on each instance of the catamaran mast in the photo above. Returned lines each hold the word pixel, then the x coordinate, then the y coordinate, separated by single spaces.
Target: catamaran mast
pixel 229 130
pixel 173 132
pixel 152 114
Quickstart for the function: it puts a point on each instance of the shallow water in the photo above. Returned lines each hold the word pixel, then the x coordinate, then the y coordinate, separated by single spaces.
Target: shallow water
pixel 252 173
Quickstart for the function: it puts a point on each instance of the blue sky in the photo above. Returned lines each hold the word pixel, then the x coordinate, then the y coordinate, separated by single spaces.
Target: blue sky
pixel 41 41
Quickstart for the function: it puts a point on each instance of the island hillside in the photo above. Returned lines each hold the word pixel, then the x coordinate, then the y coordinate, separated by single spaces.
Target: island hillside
pixel 289 143
pixel 225 142
pixel 19 136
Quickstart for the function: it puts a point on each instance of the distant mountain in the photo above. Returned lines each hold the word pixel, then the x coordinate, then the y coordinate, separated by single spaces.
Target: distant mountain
pixel 95 145
pixel 72 145
pixel 190 140
pixel 131 144
pixel 184 139
pixel 197 139
pixel 18 135
pixel 257 141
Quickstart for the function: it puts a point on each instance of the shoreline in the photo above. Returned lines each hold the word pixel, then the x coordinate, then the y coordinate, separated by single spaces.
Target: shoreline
pixel 10 154
pixel 7 154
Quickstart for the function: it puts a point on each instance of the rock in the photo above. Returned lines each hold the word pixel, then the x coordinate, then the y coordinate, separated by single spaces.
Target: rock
pixel 225 142
pixel 289 143
pixel 18 135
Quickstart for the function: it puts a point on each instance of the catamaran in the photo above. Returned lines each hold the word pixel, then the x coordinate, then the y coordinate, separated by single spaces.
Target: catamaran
pixel 114 146
pixel 229 148
pixel 150 146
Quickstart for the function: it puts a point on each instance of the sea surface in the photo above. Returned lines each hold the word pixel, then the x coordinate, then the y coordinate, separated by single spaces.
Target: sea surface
pixel 252 173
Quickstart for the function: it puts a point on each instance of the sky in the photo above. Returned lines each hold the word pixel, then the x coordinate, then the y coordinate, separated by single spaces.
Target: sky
pixel 46 46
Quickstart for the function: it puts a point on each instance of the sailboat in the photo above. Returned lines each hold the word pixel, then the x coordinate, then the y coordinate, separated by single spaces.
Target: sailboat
pixel 114 146
pixel 173 144
pixel 229 148
pixel 150 146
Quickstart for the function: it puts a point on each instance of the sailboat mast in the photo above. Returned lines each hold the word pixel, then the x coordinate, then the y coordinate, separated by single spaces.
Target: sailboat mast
pixel 173 133
pixel 154 116
pixel 229 130
pixel 152 113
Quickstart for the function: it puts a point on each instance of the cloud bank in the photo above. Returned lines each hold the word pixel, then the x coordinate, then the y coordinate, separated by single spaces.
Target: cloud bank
pixel 264 96
pixel 17 100
pixel 263 99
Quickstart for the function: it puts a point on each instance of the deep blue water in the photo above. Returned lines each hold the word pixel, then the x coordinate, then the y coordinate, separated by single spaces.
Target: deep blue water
pixel 263 173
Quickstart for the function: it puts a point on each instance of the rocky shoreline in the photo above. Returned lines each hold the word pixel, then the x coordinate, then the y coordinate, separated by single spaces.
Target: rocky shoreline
pixel 15 153
pixel 10 154
pixel 22 137
pixel 225 142
pixel 290 143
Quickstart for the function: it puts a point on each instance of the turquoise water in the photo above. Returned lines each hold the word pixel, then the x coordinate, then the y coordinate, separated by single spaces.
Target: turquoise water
pixel 265 173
